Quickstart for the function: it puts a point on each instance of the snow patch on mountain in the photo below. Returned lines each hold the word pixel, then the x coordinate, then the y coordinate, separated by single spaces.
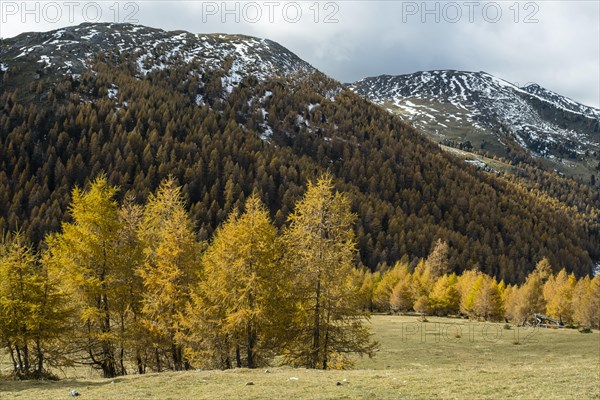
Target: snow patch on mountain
pixel 113 92
pixel 533 115
pixel 154 50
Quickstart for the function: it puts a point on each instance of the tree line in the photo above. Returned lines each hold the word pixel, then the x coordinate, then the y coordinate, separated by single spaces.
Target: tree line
pixel 129 288
pixel 126 287
pixel 430 288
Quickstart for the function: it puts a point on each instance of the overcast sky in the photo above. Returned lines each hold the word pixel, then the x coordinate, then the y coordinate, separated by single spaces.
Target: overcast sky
pixel 553 43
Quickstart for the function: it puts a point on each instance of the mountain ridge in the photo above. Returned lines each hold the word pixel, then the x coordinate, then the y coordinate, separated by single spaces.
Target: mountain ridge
pixel 485 110
pixel 68 49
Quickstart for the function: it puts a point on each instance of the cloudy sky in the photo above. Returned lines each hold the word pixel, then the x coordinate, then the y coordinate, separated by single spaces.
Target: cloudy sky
pixel 553 43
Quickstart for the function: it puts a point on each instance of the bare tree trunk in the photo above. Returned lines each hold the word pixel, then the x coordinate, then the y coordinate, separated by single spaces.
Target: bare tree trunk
pixel 250 343
pixel 140 364
pixel 326 341
pixel 316 344
pixel 238 357
pixel 175 356
pixel 40 356
pixel 325 359
pixel 157 354
pixel 122 346
pixel 12 357
pixel 19 368
pixel 108 365
pixel 108 362
pixel 26 365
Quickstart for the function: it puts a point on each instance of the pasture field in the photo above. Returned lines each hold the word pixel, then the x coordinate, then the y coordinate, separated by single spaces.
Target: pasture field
pixel 442 358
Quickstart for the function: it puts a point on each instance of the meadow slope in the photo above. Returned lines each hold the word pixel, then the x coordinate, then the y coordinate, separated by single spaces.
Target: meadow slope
pixel 443 358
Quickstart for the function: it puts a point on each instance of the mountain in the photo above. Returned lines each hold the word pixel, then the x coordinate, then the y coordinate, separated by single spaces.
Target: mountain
pixel 475 110
pixel 229 115
pixel 69 50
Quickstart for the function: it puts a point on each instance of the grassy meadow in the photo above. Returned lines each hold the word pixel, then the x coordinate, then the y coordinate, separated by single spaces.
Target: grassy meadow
pixel 442 358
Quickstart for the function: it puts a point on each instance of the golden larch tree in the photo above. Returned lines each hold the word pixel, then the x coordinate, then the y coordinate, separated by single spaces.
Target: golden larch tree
pixel 558 294
pixel 33 312
pixel 170 269
pixel 321 251
pixel 444 298
pixel 86 255
pixel 241 294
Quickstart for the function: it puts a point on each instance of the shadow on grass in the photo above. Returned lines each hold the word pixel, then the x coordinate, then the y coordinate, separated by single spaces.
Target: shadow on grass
pixel 10 385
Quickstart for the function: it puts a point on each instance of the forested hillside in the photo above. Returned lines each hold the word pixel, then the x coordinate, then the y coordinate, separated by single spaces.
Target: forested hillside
pixel 223 139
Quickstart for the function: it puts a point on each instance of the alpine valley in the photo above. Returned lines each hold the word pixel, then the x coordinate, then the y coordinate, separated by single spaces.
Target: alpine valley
pixel 229 115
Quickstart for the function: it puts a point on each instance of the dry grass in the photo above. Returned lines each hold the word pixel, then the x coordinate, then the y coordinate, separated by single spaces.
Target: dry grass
pixel 410 365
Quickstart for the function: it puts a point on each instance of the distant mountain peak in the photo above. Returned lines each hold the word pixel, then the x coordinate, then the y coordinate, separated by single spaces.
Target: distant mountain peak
pixel 482 109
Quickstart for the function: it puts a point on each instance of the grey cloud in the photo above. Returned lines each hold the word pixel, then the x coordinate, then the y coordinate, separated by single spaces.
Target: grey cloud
pixel 560 52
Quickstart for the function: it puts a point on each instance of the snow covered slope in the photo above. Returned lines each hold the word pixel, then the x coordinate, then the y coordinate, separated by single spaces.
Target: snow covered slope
pixel 479 110
pixel 69 50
